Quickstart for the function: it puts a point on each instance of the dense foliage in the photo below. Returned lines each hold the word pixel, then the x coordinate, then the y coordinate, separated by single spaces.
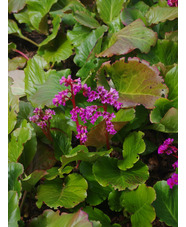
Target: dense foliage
pixel 93 108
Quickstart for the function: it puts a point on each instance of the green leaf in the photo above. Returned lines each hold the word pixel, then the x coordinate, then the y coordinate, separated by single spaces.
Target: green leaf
pixel 13 28
pixel 44 158
pixel 133 36
pixel 13 209
pixel 37 10
pixel 97 136
pixel 165 52
pixel 138 202
pixel 11 46
pixel 128 15
pixel 82 154
pixel 52 219
pixel 18 86
pixel 66 194
pixel 90 46
pixel 109 9
pixel 13 108
pixel 95 214
pixel 14 171
pixel 166 203
pixel 16 63
pixel 96 193
pixel 107 173
pixel 30 181
pixel 53 173
pixel 159 14
pixel 23 17
pixel 34 74
pixel 18 138
pixel 47 91
pixel 169 123
pixel 171 80
pixel 56 24
pixel 57 50
pixel 25 111
pixel 136 81
pixel 14 6
pixel 172 36
pixel 86 20
pixel 114 201
pixel 132 147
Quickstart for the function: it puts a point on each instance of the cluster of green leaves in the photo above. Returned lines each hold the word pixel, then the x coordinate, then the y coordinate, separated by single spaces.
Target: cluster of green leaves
pixel 126 44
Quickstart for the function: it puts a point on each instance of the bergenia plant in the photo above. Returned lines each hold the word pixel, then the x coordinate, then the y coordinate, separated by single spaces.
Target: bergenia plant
pixel 93 93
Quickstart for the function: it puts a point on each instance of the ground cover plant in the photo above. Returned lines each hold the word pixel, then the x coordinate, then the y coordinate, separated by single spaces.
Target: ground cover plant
pixel 93 108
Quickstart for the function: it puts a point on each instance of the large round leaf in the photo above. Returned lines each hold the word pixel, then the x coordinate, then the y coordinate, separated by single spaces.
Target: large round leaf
pixel 166 203
pixel 132 146
pixel 18 87
pixel 138 202
pixel 52 219
pixel 136 81
pixel 107 173
pixel 66 194
pixel 133 36
pixel 14 6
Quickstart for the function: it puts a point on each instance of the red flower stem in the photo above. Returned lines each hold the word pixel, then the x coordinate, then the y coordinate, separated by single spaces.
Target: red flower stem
pixel 106 133
pixel 21 53
pixel 175 155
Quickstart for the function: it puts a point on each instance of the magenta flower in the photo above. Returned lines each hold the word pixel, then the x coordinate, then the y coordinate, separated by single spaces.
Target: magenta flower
pixel 167 148
pixel 175 165
pixel 173 3
pixel 173 180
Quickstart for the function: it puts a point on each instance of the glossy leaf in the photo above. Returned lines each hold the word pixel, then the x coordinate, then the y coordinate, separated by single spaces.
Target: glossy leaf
pixel 18 138
pixel 16 63
pixel 166 203
pixel 95 214
pixel 160 14
pixel 58 49
pixel 109 9
pixel 83 155
pixel 66 194
pixel 136 81
pixel 52 219
pixel 90 46
pixel 18 86
pixel 128 15
pixel 107 173
pixel 44 158
pixel 13 28
pixel 165 52
pixel 96 193
pixel 34 74
pixel 14 171
pixel 37 11
pixel 30 181
pixel 78 34
pixel 171 80
pixel 11 46
pixel 114 201
pixel 56 25
pixel 13 209
pixel 47 91
pixel 132 147
pixel 169 123
pixel 86 20
pixel 97 135
pixel 15 6
pixel 13 107
pixel 138 202
pixel 133 36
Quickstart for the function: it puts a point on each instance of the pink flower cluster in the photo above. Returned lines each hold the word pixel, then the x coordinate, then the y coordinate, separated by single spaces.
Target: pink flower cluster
pixel 90 113
pixel 173 3
pixel 167 148
pixel 41 118
pixel 173 180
